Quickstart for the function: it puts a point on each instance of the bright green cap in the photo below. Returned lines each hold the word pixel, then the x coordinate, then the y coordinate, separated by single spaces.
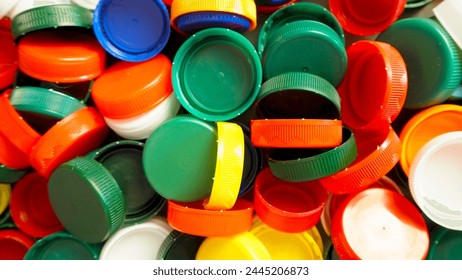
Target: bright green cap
pixel 305 46
pixel 86 199
pixel 431 57
pixel 62 246
pixel 179 158
pixel 216 74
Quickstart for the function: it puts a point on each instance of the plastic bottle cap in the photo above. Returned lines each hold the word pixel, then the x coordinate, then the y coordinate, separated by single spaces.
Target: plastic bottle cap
pixel 229 167
pixel 447 12
pixel 296 133
pixel 137 242
pixel 30 207
pixel 132 30
pixel 42 101
pixel 195 143
pixel 243 246
pixel 30 16
pixel 295 12
pixel 192 218
pixel 372 67
pixel 444 244
pixel 5 194
pixel 14 244
pixel 75 135
pixel 87 199
pixel 378 153
pixel 123 159
pixel 128 89
pixel 411 4
pixel 62 246
pixel 298 96
pixel 426 125
pixel 14 128
pixel 431 57
pixel 65 56
pixel 179 246
pixel 288 207
pixel 365 18
pixel 269 9
pixel 324 54
pixel 287 246
pixel 433 180
pixel 87 4
pixel 235 14
pixel 216 74
pixel 141 127
pixel 6 6
pixel 8 54
pixel 379 224
pixel 253 162
pixel 13 162
pixel 301 165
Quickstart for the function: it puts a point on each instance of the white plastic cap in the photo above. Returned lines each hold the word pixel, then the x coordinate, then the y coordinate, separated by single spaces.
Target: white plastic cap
pixel 87 4
pixel 6 6
pixel 24 5
pixel 449 13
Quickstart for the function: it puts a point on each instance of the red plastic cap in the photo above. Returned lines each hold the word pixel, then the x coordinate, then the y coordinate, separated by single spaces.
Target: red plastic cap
pixel 30 207
pixel 366 17
pixel 8 54
pixel 288 207
pixel 14 244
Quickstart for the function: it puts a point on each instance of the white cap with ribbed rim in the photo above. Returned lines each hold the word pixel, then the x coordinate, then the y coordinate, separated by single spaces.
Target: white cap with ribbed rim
pixel 449 13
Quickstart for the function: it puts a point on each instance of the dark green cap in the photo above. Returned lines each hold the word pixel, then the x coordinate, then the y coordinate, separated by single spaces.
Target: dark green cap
pixel 11 175
pixel 86 199
pixel 445 244
pixel 179 246
pixel 431 57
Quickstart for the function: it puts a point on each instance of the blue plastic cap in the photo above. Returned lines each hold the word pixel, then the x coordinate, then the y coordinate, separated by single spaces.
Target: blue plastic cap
pixel 132 30
pixel 193 22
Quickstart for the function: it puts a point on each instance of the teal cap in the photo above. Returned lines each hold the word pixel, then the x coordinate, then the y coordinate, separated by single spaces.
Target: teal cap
pixel 216 74
pixel 179 158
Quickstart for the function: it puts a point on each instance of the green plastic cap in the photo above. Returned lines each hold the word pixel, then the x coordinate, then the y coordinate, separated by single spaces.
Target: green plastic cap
pixel 179 246
pixel 86 199
pixel 179 158
pixel 431 57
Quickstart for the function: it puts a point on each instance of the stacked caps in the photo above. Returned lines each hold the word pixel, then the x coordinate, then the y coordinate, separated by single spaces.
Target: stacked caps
pixel 157 129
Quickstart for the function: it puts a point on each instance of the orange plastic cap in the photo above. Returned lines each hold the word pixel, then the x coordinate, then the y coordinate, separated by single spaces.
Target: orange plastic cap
pixel 192 218
pixel 76 135
pixel 63 56
pixel 127 89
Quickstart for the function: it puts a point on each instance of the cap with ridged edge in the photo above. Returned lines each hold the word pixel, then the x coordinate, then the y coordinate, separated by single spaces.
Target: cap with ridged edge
pixel 14 128
pixel 229 167
pixel 296 12
pixel 372 67
pixel 75 135
pixel 5 194
pixel 411 4
pixel 296 133
pixel 298 246
pixel 230 76
pixel 447 13
pixel 62 246
pixel 87 199
pixel 51 16
pixel 141 126
pixel 378 153
pixel 195 143
pixel 87 4
pixel 366 18
pixel 30 207
pixel 137 242
pixel 123 159
pixel 432 60
pixel 324 53
pixel 242 246
pixel 286 206
pixel 444 244
pixel 44 101
pixel 192 218
pixel 244 8
pixel 426 125
pixel 132 30
pixel 8 54
pixel 128 89
pixel 193 22
pixel 179 246
pixel 25 5
pixel 61 56
pixel 373 217
pixel 305 96
pixel 17 242
pixel 301 165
